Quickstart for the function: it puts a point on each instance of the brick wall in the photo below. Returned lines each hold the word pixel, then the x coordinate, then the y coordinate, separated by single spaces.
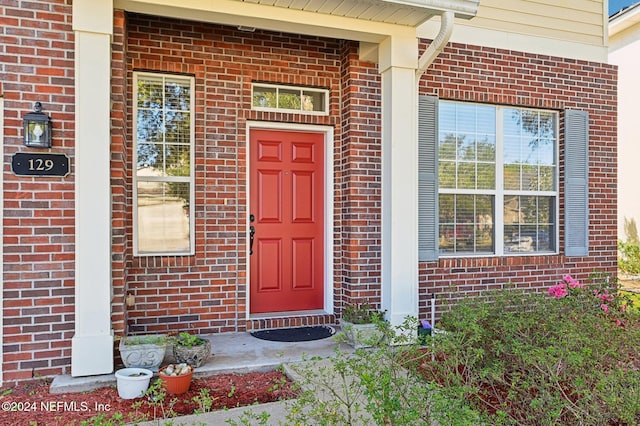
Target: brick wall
pixel 477 74
pixel 207 291
pixel 36 64
pixel 359 183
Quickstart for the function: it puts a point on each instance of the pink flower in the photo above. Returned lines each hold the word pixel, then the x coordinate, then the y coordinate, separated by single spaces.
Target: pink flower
pixel 558 291
pixel 605 308
pixel 619 323
pixel 605 297
pixel 572 282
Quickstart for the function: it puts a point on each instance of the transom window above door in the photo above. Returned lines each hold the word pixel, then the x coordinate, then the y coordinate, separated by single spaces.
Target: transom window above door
pixel 301 100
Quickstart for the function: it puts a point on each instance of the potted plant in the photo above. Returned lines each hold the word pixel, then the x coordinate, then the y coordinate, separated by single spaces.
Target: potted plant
pixel 132 382
pixel 145 351
pixel 176 378
pixel 360 324
pixel 191 349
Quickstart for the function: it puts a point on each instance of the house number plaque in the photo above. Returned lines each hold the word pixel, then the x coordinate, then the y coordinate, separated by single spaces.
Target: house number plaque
pixel 37 164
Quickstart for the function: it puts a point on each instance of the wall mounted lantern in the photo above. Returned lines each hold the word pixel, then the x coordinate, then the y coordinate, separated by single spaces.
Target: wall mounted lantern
pixel 37 128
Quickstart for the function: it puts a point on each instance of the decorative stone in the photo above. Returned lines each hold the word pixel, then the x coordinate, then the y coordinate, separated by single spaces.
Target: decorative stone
pixel 178 381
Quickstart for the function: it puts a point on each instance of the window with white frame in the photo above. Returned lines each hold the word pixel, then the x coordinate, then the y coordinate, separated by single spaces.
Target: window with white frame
pixel 163 158
pixel 497 179
pixel 302 100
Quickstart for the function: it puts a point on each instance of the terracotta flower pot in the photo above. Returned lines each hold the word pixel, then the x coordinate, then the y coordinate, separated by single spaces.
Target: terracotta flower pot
pixel 175 385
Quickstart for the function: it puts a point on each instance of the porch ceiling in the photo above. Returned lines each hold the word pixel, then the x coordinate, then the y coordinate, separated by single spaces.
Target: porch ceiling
pixel 401 12
pixel 361 20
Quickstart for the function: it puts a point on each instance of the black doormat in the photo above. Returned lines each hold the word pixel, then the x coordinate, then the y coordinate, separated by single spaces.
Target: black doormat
pixel 298 334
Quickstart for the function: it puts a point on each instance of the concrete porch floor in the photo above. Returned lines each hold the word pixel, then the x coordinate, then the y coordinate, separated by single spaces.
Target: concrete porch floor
pixel 232 353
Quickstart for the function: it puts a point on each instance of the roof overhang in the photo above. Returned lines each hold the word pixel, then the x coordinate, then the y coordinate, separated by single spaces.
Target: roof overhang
pixel 361 20
pixel 624 19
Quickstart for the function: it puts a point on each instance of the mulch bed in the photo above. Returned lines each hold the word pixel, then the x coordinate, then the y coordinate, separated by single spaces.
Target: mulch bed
pixel 31 403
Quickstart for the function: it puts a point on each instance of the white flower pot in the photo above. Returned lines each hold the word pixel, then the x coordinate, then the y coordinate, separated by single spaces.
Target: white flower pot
pixel 142 352
pixel 133 382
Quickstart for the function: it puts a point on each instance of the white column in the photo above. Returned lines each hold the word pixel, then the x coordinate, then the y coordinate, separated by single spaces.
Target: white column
pixel 398 63
pixel 92 343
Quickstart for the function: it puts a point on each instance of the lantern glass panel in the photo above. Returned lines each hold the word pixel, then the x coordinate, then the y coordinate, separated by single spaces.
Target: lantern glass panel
pixel 37 130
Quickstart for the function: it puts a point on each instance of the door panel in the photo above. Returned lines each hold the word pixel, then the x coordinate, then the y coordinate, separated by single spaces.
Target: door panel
pixel 269 264
pixel 269 196
pixel 303 195
pixel 303 266
pixel 302 152
pixel 287 199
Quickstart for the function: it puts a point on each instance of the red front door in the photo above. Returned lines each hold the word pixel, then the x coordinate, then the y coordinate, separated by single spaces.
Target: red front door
pixel 287 212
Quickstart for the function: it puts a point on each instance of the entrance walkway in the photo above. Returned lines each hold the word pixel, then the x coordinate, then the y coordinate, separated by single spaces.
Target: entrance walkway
pixel 232 353
pixel 630 283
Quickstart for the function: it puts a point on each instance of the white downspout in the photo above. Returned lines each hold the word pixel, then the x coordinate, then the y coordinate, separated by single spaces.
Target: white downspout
pixel 437 45
pixel 426 59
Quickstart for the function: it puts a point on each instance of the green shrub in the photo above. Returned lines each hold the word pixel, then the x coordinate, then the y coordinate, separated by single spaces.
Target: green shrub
pixel 629 257
pixel 633 298
pixel 371 386
pixel 562 358
pixel 568 357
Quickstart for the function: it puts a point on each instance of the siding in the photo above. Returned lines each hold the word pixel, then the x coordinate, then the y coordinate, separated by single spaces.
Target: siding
pixel 580 21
